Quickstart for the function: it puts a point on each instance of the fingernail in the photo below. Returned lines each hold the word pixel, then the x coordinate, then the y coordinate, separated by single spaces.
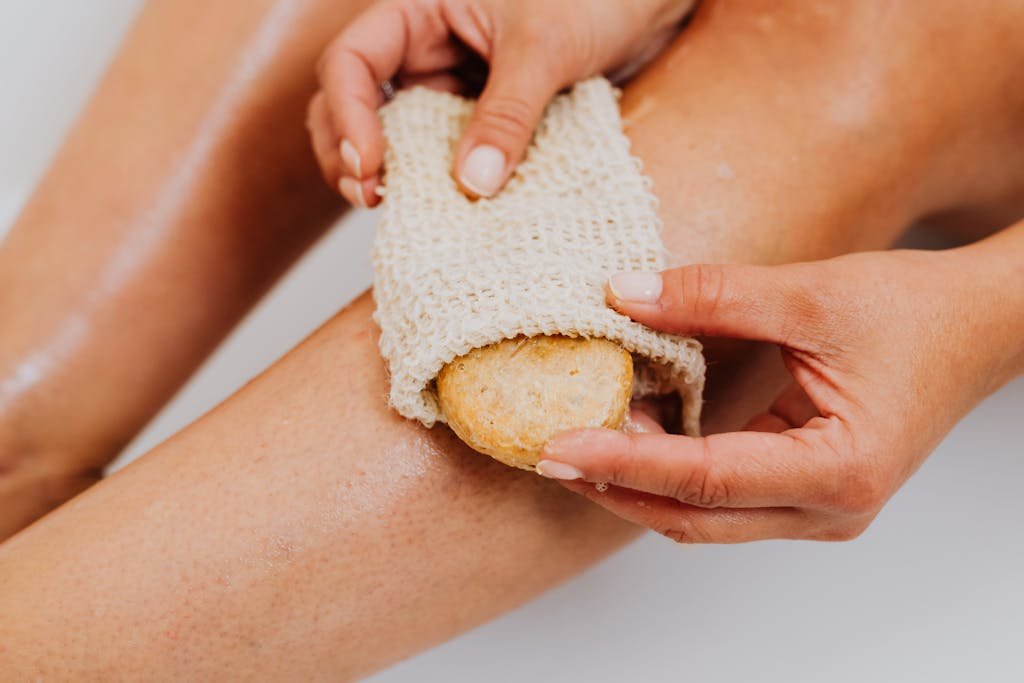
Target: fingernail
pixel 353 189
pixel 557 470
pixel 482 170
pixel 350 155
pixel 638 287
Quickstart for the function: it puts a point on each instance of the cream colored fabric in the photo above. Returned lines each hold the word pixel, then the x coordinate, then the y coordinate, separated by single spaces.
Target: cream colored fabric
pixel 452 274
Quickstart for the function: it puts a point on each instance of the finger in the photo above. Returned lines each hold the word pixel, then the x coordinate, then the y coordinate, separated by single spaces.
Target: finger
pixel 440 81
pixel 794 407
pixel 642 418
pixel 360 193
pixel 519 87
pixel 777 304
pixel 322 137
pixel 766 422
pixel 689 524
pixel 371 50
pixel 797 468
pixel 656 44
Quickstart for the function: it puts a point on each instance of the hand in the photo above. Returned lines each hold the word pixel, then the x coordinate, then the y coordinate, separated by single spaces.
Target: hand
pixel 887 351
pixel 534 48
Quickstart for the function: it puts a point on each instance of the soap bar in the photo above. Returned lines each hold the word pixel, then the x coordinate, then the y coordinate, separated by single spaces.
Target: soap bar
pixel 508 399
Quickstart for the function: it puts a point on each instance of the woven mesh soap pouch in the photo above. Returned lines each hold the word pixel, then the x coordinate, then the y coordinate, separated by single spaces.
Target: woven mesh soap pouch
pixel 454 274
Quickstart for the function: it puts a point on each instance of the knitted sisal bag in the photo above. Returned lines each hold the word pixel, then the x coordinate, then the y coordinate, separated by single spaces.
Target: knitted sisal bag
pixel 453 274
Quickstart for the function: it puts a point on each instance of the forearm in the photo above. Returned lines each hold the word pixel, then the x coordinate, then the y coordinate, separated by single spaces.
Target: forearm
pixel 185 189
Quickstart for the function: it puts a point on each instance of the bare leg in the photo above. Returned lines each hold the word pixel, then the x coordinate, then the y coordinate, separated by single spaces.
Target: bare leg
pixel 184 191
pixel 302 530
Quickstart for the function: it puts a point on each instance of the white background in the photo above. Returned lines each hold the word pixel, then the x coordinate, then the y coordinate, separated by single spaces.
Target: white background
pixel 932 592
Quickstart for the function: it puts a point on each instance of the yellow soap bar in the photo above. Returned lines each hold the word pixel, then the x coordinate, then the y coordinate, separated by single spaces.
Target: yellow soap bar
pixel 508 399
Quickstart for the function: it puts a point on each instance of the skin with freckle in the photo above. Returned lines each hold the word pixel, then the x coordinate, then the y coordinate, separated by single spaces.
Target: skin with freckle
pixel 508 399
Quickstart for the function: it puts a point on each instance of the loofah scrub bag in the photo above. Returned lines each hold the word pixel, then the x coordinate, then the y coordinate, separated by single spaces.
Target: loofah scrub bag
pixel 454 274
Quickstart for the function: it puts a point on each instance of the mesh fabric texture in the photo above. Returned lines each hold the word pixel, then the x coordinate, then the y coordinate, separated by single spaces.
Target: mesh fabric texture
pixel 453 274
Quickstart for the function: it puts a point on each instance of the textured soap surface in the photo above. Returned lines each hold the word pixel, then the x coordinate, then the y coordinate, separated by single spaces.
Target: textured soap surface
pixel 507 399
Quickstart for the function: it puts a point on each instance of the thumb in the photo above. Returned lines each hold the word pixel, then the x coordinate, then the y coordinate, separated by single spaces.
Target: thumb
pixel 776 304
pixel 504 118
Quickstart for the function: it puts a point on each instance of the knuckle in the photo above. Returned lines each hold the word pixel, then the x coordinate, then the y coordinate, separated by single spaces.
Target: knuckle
pixel 699 290
pixel 507 115
pixel 849 483
pixel 808 303
pixel 806 310
pixel 817 316
pixel 328 59
pixel 704 486
pixel 540 34
pixel 713 492
pixel 843 533
pixel 676 535
pixel 624 464
pixel 860 490
pixel 684 531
